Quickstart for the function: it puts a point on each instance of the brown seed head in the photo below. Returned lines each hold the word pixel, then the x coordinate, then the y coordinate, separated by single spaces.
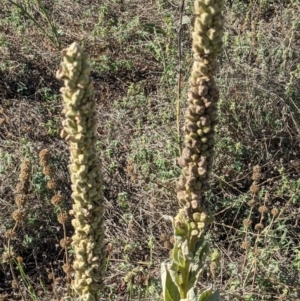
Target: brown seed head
pixel 172 240
pixel 163 237
pixel 19 259
pixel 259 227
pixel 22 187
pixel 62 218
pixel 267 197
pixel 57 200
pixel 26 166
pixel 67 268
pixel 8 256
pixel 59 280
pixel 263 209
pixel 18 215
pixel 251 203
pixel 274 211
pixel 14 284
pixel 20 200
pixel 256 176
pixel 44 157
pixel 167 245
pixel 10 234
pixel 65 242
pixel 25 171
pixel 213 267
pixel 245 245
pixel 52 184
pixel 247 222
pixel 254 188
pixel 48 170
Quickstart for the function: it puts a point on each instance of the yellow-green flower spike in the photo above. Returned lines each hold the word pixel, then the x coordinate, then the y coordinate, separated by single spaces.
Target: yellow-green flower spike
pixel 79 129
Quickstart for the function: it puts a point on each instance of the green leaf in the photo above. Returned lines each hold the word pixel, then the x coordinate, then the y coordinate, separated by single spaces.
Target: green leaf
pixel 210 296
pixel 170 289
pixel 153 28
pixel 177 255
pixel 191 296
pixel 197 266
pixel 199 245
pixel 188 256
pixel 185 20
pixel 195 272
pixel 203 253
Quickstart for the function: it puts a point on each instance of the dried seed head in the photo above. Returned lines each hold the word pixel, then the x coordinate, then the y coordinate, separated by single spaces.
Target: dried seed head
pixel 251 203
pixel 245 245
pixel 254 188
pixel 263 209
pixel 247 222
pixel 20 200
pixel 213 267
pixel 172 240
pixel 48 170
pixel 67 268
pixel 26 166
pixel 8 256
pixel 259 227
pixel 25 171
pixel 256 176
pixel 257 251
pixel 19 215
pixel 14 284
pixel 22 187
pixel 267 197
pixel 163 237
pixel 274 211
pixel 44 157
pixel 58 281
pixel 65 242
pixel 167 245
pixel 19 259
pixel 10 234
pixel 62 218
pixel 109 247
pixel 52 184
pixel 57 200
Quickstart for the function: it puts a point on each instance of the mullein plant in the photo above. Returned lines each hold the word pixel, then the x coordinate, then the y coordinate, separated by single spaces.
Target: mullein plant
pixel 181 273
pixel 79 129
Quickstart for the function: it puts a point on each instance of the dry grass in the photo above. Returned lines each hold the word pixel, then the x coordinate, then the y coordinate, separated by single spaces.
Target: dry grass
pixel 133 51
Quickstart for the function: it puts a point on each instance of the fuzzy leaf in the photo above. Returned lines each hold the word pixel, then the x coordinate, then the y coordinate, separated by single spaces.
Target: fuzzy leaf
pixel 202 253
pixel 177 256
pixel 186 20
pixel 191 296
pixel 186 252
pixel 197 266
pixel 210 296
pixel 168 218
pixel 170 288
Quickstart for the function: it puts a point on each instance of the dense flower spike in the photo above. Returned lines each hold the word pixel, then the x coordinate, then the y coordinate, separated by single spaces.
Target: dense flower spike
pixel 196 160
pixel 201 114
pixel 79 129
